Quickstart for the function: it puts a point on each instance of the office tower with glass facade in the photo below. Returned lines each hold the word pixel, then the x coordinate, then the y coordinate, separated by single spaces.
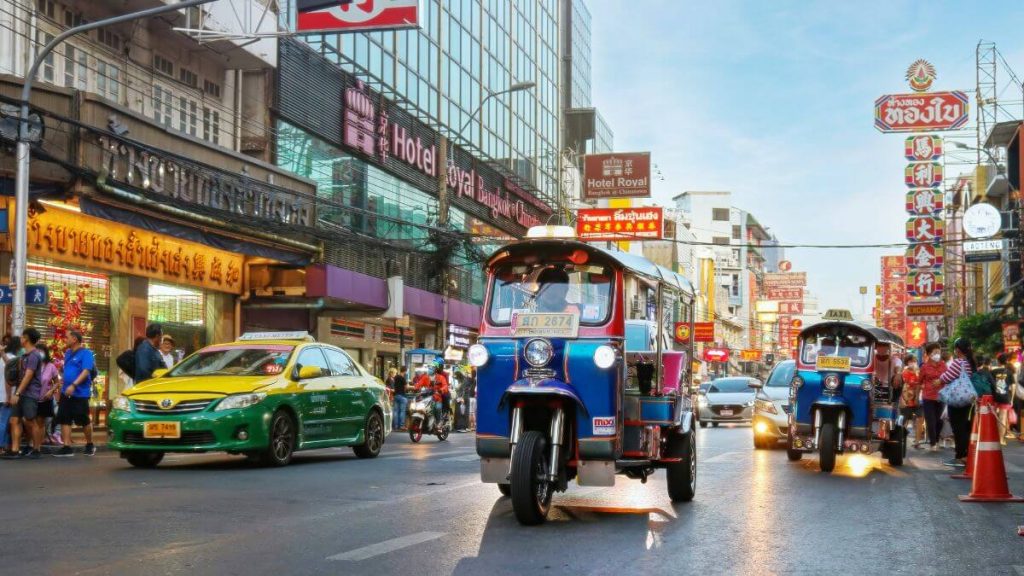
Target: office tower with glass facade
pixel 424 162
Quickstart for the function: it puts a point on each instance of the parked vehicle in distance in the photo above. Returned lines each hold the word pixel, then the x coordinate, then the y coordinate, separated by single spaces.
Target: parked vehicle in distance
pixel 729 399
pixel 771 406
pixel 264 396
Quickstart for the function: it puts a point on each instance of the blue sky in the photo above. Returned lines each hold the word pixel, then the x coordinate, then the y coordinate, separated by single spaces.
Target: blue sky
pixel 773 101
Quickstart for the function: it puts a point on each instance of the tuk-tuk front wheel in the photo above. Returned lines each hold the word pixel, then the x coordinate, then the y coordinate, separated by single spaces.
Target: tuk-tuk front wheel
pixel 794 455
pixel 827 446
pixel 682 475
pixel 531 491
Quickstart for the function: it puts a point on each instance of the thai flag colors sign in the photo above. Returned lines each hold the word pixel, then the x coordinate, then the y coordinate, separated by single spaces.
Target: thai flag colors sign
pixel 360 15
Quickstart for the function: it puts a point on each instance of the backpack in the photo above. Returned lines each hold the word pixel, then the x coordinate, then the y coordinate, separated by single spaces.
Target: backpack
pixel 126 362
pixel 982 383
pixel 12 371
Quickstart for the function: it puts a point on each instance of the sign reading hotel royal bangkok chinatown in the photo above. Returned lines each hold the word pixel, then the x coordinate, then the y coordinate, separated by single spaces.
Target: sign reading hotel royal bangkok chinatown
pixel 617 175
pixel 613 224
pixel 361 15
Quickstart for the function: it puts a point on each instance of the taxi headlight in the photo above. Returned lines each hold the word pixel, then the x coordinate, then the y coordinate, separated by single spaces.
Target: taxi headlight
pixel 539 352
pixel 831 382
pixel 477 355
pixel 240 401
pixel 122 403
pixel 604 356
pixel 765 406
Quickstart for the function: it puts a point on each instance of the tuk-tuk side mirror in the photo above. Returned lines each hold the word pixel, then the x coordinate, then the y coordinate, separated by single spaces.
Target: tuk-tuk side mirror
pixel 755 384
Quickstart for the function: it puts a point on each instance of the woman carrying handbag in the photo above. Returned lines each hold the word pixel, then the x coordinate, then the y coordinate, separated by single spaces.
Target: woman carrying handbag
pixel 959 395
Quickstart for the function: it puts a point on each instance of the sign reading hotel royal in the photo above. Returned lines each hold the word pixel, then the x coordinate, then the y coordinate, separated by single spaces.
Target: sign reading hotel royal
pixel 617 175
pixel 75 238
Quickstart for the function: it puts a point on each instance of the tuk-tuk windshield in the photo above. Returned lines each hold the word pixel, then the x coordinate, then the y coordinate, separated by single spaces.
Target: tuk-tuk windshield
pixel 585 290
pixel 849 344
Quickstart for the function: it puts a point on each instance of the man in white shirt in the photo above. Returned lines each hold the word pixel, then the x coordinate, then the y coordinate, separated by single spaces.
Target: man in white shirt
pixel 167 351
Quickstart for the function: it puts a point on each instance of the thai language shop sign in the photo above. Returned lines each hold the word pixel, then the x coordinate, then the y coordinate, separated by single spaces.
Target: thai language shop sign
pixel 613 224
pixel 921 112
pixel 617 175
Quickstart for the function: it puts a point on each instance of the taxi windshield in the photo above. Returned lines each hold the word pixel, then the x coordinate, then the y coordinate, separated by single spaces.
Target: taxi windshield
pixel 584 290
pixel 234 361
pixel 848 344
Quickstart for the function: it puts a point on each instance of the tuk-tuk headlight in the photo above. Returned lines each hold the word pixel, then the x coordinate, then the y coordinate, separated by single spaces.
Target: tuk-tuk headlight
pixel 477 355
pixel 866 385
pixel 797 382
pixel 831 382
pixel 539 352
pixel 604 357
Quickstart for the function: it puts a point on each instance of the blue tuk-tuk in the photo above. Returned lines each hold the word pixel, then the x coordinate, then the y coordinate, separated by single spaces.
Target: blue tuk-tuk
pixel 844 397
pixel 575 379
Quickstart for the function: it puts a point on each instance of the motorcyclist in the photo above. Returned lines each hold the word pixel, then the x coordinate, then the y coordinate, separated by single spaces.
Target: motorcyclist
pixel 436 381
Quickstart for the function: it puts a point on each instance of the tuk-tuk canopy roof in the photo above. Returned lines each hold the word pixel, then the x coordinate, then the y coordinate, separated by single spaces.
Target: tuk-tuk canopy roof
pixel 636 264
pixel 879 334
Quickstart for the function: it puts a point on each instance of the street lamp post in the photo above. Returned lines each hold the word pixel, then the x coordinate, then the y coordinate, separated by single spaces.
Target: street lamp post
pixel 23 151
pixel 517 87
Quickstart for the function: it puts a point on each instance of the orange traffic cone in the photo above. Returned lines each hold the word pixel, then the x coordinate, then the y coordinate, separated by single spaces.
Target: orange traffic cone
pixel 968 472
pixel 989 481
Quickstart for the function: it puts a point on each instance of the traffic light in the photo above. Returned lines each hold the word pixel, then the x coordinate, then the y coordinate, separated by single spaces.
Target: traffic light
pixel 312 5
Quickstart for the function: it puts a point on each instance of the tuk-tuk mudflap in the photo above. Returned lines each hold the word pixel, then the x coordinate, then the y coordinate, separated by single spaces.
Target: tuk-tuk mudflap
pixel 546 387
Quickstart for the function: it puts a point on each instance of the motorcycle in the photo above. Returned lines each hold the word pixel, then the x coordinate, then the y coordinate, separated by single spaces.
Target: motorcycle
pixel 421 418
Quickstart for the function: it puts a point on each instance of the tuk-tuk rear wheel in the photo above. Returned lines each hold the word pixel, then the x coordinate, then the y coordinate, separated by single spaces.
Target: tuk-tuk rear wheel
pixel 827 447
pixel 682 475
pixel 531 492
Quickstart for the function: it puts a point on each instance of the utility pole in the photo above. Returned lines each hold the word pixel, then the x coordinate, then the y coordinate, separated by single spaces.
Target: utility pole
pixel 23 151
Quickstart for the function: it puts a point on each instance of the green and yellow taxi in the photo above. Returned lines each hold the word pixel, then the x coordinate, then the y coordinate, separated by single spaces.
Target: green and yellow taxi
pixel 266 396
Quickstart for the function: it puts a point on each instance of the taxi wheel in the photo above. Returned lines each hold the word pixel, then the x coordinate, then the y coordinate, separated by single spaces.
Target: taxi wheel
pixel 144 459
pixel 715 424
pixel 703 424
pixel 505 489
pixel 374 437
pixel 282 440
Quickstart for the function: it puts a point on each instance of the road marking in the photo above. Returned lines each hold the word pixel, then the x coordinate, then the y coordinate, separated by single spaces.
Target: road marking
pixel 463 458
pixel 726 457
pixel 386 546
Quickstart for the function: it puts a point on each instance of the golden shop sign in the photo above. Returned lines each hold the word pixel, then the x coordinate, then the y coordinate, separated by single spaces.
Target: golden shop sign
pixel 75 238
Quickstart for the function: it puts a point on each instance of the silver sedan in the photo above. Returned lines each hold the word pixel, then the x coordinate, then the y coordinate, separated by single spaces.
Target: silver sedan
pixel 729 399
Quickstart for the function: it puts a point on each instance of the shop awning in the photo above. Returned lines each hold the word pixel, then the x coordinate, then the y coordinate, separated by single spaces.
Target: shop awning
pixel 152 223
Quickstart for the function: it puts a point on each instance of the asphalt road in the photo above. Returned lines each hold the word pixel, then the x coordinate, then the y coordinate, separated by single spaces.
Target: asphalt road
pixel 420 509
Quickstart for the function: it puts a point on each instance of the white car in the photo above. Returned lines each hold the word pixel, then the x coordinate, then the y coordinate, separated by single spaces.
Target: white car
pixel 729 400
pixel 771 406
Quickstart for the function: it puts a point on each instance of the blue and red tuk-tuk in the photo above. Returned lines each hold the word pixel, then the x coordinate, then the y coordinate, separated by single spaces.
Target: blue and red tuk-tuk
pixel 576 379
pixel 844 397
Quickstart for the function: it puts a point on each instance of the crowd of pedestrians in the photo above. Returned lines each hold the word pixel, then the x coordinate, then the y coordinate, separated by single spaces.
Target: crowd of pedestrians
pixel 921 396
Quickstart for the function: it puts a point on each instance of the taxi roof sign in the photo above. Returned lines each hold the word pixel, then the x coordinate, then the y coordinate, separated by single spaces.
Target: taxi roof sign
pixel 551 232
pixel 293 335
pixel 838 315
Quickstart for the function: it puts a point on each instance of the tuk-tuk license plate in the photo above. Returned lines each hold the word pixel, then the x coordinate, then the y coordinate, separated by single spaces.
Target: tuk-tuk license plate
pixel 162 430
pixel 560 325
pixel 833 364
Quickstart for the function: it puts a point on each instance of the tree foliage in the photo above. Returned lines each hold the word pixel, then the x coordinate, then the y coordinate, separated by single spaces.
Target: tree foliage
pixel 984 331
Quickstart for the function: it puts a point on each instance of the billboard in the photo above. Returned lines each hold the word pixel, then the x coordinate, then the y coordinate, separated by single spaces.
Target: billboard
pixel 612 224
pixel 359 16
pixel 785 280
pixel 704 332
pixel 796 294
pixel 921 112
pixel 791 307
pixel 750 355
pixel 716 355
pixel 617 175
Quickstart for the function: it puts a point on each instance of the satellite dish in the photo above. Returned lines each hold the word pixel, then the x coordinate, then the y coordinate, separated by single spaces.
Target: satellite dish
pixel 9 116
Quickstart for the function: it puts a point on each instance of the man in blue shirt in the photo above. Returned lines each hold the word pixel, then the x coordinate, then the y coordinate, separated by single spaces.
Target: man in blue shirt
pixel 79 369
pixel 147 355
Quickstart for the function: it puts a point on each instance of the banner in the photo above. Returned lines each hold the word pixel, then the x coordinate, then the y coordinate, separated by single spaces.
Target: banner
pixel 682 332
pixel 795 294
pixel 750 355
pixel 1011 337
pixel 716 355
pixel 704 332
pixel 613 224
pixel 785 280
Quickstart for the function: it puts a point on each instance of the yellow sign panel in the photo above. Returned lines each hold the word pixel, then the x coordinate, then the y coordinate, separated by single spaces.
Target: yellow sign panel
pixel 75 238
pixel 833 364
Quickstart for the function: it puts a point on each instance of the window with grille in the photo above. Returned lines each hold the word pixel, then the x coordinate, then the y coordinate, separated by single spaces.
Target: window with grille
pixel 188 77
pixel 188 112
pixel 211 125
pixel 72 19
pixel 163 65
pixel 46 8
pixel 182 314
pixel 162 99
pixel 75 68
pixel 109 39
pixel 95 311
pixel 211 89
pixel 108 80
pixel 46 71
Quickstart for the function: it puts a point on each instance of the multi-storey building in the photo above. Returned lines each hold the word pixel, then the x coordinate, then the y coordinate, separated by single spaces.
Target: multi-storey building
pixel 152 194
